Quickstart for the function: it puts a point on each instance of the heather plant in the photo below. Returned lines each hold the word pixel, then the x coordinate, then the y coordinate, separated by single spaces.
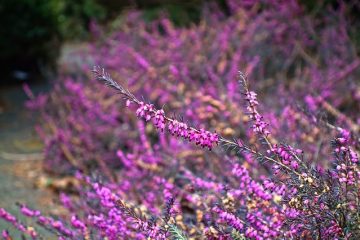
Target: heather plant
pixel 187 150
pixel 193 71
pixel 297 201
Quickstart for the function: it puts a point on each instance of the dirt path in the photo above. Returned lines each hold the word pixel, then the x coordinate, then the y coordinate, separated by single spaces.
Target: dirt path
pixel 20 148
pixel 20 153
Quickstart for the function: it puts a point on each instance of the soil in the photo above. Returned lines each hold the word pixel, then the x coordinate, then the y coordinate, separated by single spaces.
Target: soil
pixel 20 155
pixel 22 179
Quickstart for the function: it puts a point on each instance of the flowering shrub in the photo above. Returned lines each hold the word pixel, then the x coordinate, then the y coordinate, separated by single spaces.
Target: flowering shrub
pixel 193 71
pixel 297 201
pixel 271 172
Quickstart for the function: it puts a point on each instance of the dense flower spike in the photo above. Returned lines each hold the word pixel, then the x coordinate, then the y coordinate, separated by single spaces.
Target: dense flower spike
pixel 287 155
pixel 159 120
pixel 347 166
pixel 147 111
pixel 259 125
pixel 17 224
pixel 230 219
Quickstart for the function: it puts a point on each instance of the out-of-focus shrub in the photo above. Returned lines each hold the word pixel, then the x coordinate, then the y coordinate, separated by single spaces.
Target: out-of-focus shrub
pixel 76 16
pixel 32 31
pixel 29 33
pixel 284 50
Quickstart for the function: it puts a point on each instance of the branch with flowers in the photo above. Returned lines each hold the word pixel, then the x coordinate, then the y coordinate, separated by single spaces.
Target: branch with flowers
pixel 308 192
pixel 162 122
pixel 297 200
pixel 204 138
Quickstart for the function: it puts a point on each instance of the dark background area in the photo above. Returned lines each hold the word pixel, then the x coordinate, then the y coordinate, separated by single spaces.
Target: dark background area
pixel 33 31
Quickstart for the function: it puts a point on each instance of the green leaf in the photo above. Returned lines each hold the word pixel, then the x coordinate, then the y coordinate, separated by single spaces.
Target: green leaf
pixel 237 236
pixel 176 234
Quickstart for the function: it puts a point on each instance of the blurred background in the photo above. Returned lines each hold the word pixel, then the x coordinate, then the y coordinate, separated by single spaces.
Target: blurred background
pixel 36 36
pixel 42 40
pixel 33 32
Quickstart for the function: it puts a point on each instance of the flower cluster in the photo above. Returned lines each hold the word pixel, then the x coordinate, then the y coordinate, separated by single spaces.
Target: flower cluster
pixel 259 126
pixel 347 164
pixel 47 222
pixel 145 111
pixel 229 218
pixel 17 224
pixel 287 154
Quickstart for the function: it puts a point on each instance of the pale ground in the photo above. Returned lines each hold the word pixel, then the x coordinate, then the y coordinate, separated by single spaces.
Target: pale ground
pixel 20 154
pixel 21 149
